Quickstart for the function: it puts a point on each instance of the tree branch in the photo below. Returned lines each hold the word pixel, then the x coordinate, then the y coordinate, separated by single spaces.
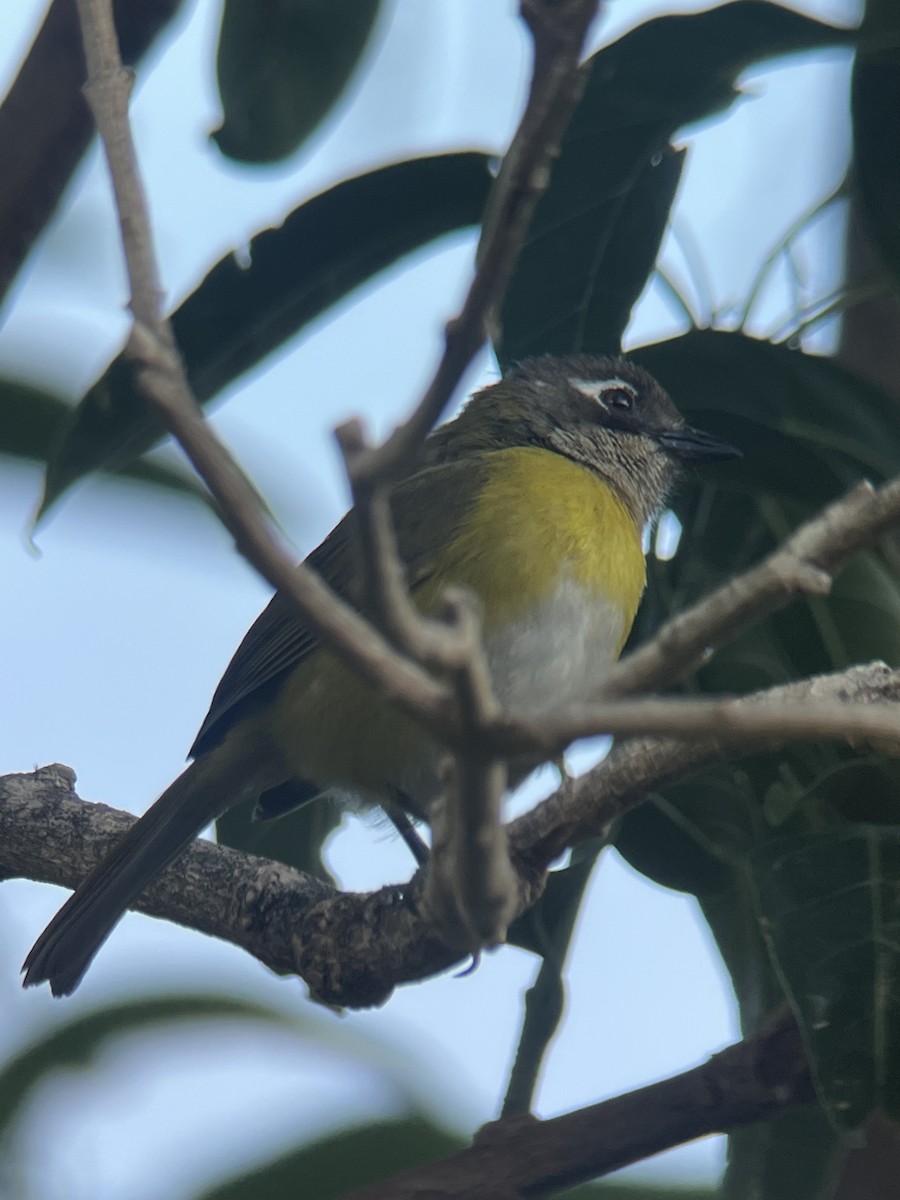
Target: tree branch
pixel 352 950
pixel 803 565
pixel 523 1157
pixel 588 805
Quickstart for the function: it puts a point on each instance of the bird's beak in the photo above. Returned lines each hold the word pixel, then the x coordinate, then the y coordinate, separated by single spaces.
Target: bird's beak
pixel 693 445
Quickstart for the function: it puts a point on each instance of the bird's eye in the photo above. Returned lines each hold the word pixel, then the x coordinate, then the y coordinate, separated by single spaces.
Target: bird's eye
pixel 620 399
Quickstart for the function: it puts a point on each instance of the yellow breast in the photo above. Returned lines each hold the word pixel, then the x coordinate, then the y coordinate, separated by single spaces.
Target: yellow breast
pixel 540 519
pixel 556 562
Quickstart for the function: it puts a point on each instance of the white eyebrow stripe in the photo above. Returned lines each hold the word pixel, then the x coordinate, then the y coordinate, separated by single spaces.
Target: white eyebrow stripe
pixel 594 388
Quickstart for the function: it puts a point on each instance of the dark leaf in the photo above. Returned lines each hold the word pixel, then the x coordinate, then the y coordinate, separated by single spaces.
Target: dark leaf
pixel 30 424
pixel 281 69
pixel 875 102
pixel 295 838
pixel 808 428
pixel 348 1159
pixel 690 838
pixel 586 261
pixel 830 908
pixel 237 316
pixel 77 1043
pixel 789 1157
pixel 597 229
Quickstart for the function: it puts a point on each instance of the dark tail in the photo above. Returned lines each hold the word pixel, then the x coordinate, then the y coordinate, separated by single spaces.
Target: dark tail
pixel 63 952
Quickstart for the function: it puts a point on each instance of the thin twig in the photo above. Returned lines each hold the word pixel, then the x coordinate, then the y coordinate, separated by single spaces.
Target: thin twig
pixel 163 381
pixel 802 565
pixel 729 719
pixel 558 29
pixel 471 889
pixel 779 247
pixel 587 806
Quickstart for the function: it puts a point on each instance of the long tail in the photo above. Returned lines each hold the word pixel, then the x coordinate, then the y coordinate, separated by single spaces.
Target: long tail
pixel 63 952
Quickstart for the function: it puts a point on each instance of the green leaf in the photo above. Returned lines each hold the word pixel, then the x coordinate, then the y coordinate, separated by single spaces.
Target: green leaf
pixel 281 69
pixel 597 228
pixel 77 1043
pixel 349 1159
pixel 295 838
pixel 830 909
pixel 237 316
pixel 690 838
pixel 875 102
pixel 789 1157
pixel 808 428
pixel 30 423
pixel 638 1191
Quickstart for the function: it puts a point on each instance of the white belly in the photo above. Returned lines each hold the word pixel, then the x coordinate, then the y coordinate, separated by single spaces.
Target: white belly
pixel 556 655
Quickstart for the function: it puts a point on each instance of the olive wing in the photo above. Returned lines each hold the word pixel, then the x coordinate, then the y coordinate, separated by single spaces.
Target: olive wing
pixel 279 640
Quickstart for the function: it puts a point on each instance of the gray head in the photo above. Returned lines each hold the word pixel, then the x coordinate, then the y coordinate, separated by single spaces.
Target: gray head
pixel 608 414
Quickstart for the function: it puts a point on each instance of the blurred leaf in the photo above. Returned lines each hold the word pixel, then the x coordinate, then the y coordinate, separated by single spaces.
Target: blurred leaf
pixel 30 422
pixel 597 229
pixel 295 838
pixel 77 1043
pixel 325 248
pixel 282 67
pixel 348 1159
pixel 830 908
pixel 638 1191
pixel 875 102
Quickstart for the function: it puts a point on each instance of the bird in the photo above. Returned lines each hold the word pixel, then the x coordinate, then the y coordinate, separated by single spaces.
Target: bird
pixel 534 499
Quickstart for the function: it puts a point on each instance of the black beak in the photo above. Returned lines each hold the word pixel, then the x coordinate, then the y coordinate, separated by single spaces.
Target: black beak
pixel 693 445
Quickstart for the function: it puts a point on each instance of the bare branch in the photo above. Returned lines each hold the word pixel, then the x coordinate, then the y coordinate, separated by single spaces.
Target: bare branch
pixel 352 950
pixel 588 805
pixel 471 890
pixel 558 31
pixel 803 565
pixel 747 720
pixel 520 1157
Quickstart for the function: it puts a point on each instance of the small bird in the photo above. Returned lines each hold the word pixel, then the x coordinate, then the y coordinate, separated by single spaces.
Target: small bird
pixel 534 499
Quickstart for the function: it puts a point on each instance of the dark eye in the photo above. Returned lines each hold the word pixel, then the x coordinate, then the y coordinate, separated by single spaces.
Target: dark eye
pixel 619 398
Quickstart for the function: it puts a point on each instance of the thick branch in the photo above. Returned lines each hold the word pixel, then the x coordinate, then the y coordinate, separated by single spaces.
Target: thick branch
pixel 354 949
pixel 524 1157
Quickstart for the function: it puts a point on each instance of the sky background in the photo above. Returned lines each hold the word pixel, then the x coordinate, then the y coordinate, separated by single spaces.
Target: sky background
pixel 116 632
